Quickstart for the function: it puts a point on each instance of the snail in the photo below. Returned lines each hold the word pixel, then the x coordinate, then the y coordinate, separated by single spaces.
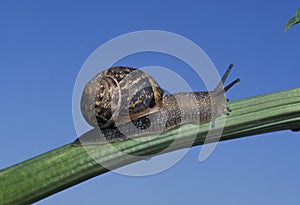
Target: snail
pixel 122 102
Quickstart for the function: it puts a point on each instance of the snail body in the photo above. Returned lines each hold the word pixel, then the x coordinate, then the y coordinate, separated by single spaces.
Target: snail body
pixel 122 102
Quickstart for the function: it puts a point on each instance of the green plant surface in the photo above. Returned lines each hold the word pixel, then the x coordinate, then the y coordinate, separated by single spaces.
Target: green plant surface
pixel 65 166
pixel 293 21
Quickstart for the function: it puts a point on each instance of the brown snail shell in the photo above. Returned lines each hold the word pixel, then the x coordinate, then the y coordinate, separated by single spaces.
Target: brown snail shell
pixel 118 95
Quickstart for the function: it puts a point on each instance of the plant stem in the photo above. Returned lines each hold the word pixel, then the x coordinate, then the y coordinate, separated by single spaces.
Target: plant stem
pixel 63 167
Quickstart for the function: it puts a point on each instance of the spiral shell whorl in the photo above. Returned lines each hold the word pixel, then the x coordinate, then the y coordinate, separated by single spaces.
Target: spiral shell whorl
pixel 119 95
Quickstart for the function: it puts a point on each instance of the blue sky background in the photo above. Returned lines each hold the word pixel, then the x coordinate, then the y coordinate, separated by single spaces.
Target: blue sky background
pixel 43 45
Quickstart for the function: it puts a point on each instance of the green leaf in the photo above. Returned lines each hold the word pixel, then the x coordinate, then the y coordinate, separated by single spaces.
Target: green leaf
pixel 65 166
pixel 293 21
